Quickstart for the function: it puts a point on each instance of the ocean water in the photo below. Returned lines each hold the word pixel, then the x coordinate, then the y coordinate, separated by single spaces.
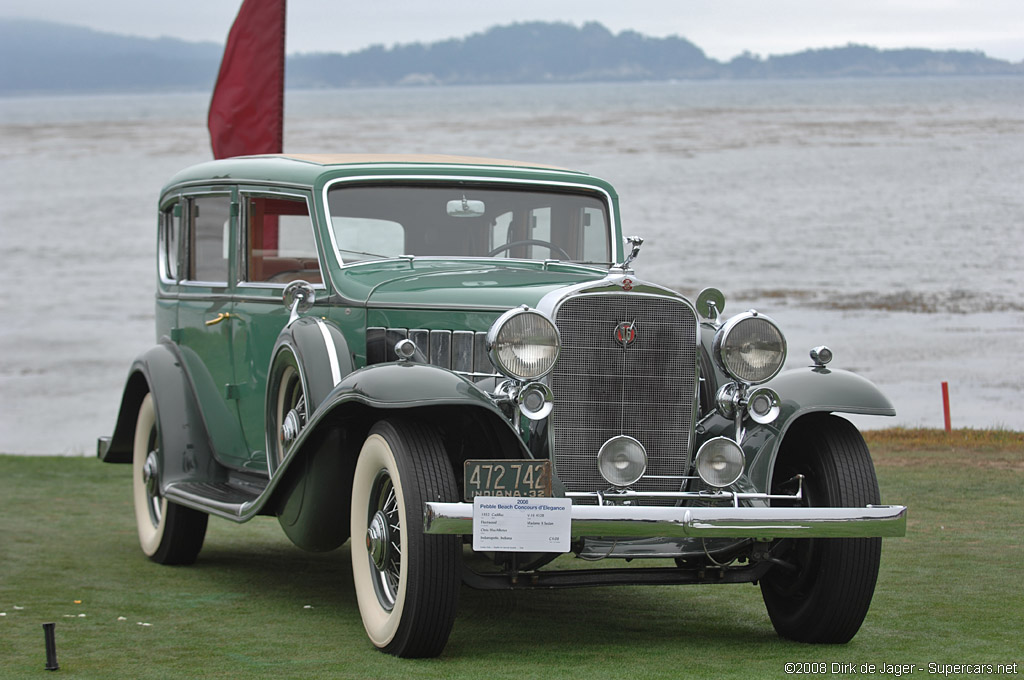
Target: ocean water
pixel 882 217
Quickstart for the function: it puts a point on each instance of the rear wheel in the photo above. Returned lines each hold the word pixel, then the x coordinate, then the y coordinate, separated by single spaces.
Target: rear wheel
pixel 406 582
pixel 824 594
pixel 168 533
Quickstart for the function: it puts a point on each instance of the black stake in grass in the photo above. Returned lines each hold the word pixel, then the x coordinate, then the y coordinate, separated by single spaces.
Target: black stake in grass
pixel 51 647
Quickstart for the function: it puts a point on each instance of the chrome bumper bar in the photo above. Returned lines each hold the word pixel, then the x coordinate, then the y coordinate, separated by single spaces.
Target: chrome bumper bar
pixel 725 522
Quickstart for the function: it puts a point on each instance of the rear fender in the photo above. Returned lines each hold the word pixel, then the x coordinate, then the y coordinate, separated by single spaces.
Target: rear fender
pixel 184 441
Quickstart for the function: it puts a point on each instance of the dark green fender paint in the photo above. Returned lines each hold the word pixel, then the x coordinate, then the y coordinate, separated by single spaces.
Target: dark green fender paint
pixel 811 390
pixel 311 489
pixel 185 443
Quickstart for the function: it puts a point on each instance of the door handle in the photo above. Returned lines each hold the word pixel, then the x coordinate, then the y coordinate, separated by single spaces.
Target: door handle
pixel 216 320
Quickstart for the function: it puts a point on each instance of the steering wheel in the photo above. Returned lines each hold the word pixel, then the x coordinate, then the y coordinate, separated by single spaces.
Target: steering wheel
pixel 530 242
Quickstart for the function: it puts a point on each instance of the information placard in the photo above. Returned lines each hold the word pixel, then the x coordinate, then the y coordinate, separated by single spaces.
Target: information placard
pixel 521 524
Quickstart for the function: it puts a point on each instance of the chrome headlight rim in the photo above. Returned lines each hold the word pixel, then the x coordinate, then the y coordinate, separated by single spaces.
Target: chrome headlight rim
pixel 734 459
pixel 499 344
pixel 720 346
pixel 622 461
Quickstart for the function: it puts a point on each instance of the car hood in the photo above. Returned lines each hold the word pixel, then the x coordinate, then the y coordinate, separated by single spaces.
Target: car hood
pixel 446 284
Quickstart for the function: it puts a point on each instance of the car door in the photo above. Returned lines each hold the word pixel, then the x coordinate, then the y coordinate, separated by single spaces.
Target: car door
pixel 205 320
pixel 277 246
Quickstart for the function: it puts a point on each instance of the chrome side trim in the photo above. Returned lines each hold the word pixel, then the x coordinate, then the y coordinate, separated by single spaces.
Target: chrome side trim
pixel 648 522
pixel 332 352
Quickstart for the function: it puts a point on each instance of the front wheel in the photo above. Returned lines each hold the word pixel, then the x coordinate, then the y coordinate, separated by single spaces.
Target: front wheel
pixel 822 593
pixel 168 533
pixel 406 582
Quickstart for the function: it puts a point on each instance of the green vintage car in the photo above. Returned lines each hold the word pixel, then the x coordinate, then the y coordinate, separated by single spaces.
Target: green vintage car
pixel 452 362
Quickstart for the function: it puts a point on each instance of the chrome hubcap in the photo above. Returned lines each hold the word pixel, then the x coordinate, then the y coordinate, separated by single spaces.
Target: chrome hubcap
pixel 149 474
pixel 378 540
pixel 151 479
pixel 384 540
pixel 291 427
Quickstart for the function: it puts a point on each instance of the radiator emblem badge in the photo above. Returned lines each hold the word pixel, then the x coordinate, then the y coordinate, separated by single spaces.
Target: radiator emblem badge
pixel 627 285
pixel 625 333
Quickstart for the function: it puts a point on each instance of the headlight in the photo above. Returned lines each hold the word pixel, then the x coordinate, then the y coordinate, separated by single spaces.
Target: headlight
pixel 750 348
pixel 523 344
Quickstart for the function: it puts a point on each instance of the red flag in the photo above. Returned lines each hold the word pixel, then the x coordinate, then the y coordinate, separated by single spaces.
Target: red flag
pixel 247 108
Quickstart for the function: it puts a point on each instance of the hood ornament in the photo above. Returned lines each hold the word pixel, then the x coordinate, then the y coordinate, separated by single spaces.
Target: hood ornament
pixel 635 242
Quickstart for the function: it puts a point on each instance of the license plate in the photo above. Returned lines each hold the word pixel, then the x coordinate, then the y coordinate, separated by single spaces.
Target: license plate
pixel 509 478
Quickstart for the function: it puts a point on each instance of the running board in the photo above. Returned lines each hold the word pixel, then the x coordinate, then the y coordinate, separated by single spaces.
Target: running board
pixel 224 499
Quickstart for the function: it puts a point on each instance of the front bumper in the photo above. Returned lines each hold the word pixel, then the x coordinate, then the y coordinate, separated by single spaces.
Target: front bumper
pixel 700 522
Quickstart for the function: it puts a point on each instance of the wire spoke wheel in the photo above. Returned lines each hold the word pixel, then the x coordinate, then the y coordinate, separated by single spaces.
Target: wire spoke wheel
pixel 406 582
pixel 168 533
pixel 384 540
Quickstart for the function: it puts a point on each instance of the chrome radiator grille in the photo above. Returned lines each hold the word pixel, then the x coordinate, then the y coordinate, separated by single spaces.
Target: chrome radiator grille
pixel 645 390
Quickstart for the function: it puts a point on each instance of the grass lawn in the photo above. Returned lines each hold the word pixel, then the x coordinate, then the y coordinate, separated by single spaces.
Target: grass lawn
pixel 254 606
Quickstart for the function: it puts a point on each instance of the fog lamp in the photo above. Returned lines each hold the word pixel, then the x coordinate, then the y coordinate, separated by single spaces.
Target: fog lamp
pixel 720 462
pixel 763 405
pixel 622 460
pixel 535 401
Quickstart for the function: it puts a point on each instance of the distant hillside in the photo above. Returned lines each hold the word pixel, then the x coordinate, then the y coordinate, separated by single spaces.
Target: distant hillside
pixel 519 53
pixel 37 56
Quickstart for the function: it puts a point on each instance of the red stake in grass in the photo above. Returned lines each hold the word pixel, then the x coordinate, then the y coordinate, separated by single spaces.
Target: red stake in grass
pixel 945 405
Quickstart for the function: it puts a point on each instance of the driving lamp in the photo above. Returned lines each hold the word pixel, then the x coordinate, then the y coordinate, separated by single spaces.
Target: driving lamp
pixel 719 462
pixel 622 461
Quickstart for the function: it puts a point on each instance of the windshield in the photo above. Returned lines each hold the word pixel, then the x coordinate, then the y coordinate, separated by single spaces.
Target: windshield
pixel 462 220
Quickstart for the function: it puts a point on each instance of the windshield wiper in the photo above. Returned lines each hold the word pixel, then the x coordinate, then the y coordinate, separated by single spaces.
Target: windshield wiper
pixel 360 252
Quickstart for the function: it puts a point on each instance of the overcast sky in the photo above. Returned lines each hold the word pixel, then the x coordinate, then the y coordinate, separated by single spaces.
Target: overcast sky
pixel 722 28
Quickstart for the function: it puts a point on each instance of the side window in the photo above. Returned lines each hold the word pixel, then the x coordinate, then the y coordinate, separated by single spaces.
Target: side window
pixel 280 244
pixel 170 240
pixel 210 238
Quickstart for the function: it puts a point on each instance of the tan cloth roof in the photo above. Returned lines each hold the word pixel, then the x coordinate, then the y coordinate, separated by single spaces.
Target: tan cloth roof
pixel 429 159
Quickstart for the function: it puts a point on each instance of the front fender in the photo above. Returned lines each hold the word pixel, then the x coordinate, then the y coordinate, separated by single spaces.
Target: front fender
pixel 408 384
pixel 309 490
pixel 402 386
pixel 823 389
pixel 394 387
pixel 814 390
